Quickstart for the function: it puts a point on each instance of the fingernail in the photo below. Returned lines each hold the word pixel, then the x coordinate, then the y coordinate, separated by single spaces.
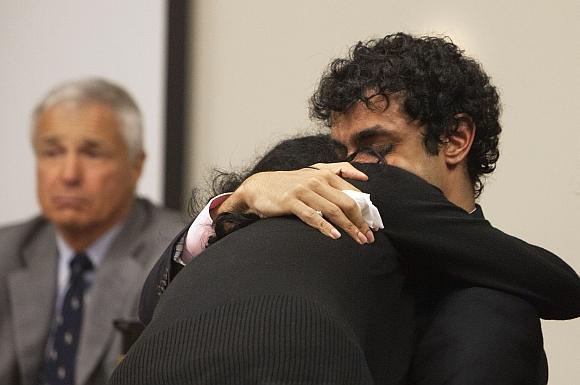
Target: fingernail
pixel 335 234
pixel 370 236
pixel 362 237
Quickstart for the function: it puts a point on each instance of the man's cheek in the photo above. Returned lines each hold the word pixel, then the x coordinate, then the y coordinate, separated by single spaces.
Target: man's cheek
pixel 400 162
pixel 365 158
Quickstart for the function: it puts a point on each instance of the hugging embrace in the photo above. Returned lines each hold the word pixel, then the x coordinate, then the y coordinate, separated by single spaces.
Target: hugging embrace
pixel 438 296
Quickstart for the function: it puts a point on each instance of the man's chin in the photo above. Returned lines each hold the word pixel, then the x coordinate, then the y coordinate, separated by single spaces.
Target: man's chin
pixel 71 222
pixel 72 225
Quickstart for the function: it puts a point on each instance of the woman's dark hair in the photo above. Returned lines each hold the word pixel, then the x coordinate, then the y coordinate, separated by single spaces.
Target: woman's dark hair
pixel 290 154
pixel 431 78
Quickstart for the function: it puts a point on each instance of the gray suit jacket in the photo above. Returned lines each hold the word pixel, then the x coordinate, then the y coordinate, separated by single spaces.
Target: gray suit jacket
pixel 28 270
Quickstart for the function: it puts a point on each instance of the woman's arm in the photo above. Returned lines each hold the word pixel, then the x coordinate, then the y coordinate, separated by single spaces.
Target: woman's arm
pixel 440 237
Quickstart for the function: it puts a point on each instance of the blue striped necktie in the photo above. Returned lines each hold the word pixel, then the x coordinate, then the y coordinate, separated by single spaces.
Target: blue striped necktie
pixel 61 358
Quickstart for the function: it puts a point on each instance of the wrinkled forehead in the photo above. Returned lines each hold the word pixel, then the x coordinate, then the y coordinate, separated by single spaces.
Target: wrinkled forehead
pixel 78 122
pixel 68 108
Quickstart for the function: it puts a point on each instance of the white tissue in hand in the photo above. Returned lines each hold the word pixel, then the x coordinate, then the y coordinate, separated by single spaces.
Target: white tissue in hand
pixel 369 211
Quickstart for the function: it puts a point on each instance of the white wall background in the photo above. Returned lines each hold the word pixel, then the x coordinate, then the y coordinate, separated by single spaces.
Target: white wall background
pixel 43 43
pixel 256 62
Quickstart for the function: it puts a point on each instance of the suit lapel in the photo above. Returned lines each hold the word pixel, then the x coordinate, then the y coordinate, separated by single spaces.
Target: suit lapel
pixel 32 292
pixel 112 295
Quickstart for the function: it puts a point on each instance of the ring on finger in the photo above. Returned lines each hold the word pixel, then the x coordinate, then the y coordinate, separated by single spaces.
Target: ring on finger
pixel 319 212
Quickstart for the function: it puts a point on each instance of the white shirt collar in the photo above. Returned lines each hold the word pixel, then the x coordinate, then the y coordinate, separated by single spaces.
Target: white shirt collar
pixel 96 252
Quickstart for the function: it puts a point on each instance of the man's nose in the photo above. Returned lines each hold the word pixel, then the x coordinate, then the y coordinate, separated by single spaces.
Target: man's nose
pixel 71 171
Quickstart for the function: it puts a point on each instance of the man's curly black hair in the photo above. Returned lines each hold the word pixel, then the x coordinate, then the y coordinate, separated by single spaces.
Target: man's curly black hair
pixel 434 82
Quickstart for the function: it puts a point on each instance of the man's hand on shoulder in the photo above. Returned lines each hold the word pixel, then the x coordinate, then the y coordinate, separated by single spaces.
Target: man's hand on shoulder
pixel 312 194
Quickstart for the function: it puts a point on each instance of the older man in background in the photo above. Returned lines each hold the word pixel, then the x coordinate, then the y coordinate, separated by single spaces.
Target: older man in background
pixel 68 273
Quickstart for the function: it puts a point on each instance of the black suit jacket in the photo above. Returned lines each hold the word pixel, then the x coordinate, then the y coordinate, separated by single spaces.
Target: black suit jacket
pixel 356 287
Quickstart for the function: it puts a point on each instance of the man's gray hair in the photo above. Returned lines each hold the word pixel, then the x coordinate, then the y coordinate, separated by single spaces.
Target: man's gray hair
pixel 99 90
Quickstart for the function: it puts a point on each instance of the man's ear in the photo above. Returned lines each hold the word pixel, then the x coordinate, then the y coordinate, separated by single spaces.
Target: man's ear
pixel 137 166
pixel 458 142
